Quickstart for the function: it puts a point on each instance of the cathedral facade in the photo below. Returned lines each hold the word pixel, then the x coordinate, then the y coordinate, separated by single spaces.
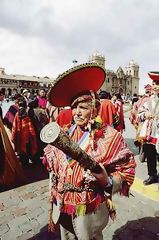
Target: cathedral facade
pixel 124 81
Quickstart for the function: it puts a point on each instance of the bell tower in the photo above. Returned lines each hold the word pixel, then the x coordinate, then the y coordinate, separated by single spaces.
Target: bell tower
pixel 97 58
pixel 132 70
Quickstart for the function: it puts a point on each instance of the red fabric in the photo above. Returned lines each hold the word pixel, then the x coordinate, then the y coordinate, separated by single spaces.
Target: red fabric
pixel 89 76
pixel 120 112
pixel 154 76
pixel 23 133
pixel 106 112
pixel 64 117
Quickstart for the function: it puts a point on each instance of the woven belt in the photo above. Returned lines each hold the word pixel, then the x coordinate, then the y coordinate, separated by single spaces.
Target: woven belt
pixel 71 188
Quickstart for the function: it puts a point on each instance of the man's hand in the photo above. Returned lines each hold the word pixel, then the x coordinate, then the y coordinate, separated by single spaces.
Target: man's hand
pixel 102 177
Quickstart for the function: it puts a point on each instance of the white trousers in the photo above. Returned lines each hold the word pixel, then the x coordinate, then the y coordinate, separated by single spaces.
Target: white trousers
pixel 87 227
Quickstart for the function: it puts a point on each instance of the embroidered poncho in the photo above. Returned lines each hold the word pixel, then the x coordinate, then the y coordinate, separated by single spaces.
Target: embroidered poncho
pixel 111 150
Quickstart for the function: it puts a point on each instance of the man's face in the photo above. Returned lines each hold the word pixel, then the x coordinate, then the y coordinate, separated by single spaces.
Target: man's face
pixel 42 93
pixel 82 113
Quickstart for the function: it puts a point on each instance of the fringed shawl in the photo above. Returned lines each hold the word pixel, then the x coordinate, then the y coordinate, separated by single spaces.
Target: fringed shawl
pixel 111 151
pixel 23 133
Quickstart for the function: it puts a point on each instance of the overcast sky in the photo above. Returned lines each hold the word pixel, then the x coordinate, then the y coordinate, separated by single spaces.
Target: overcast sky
pixel 43 37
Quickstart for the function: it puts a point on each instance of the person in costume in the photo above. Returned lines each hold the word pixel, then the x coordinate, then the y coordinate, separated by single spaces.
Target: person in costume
pixel 148 117
pixel 118 103
pixel 42 101
pixel 133 117
pixel 23 134
pixel 81 199
pixel 107 111
pixel 10 114
pixel 11 173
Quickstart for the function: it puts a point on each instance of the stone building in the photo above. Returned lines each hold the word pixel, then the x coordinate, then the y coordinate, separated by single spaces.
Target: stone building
pixel 125 81
pixel 12 84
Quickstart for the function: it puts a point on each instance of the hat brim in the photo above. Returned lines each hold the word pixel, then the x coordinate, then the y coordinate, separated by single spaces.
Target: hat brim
pixel 154 76
pixel 84 77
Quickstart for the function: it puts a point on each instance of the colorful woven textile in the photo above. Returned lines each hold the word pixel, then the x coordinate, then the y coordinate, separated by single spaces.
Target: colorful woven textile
pixel 111 151
pixel 23 133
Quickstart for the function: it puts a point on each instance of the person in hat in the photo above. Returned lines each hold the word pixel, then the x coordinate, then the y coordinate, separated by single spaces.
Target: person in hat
pixel 149 134
pixel 25 94
pixel 107 110
pixel 81 199
pixel 10 114
pixel 133 117
pixel 118 103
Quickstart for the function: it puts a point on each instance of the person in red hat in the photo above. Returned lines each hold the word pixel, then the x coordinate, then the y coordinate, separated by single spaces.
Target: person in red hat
pixel 149 133
pixel 133 117
pixel 80 197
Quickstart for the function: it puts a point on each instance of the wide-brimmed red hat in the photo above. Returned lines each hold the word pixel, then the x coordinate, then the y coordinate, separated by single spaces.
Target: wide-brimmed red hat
pixel 75 81
pixel 154 76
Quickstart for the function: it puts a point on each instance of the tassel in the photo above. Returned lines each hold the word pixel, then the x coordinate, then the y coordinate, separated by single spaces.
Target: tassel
pixel 51 225
pixel 81 210
pixel 111 209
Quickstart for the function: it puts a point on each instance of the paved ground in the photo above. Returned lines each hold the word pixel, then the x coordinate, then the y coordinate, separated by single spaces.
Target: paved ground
pixel 24 210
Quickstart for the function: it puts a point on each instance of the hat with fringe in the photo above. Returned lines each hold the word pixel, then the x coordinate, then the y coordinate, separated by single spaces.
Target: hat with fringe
pixel 154 76
pixel 77 80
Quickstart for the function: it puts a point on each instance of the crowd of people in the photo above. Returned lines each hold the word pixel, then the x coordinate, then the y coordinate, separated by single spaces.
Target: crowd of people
pixel 80 196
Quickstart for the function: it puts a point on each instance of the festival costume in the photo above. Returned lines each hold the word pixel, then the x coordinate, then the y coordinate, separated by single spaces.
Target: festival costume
pixel 149 133
pixel 10 115
pixel 120 112
pixel 64 117
pixel 23 134
pixel 74 192
pixel 108 114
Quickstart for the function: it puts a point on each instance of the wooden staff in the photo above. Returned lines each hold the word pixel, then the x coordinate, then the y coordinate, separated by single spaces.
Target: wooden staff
pixel 53 134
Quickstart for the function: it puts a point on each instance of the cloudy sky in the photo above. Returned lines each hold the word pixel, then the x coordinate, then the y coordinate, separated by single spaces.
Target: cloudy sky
pixel 43 37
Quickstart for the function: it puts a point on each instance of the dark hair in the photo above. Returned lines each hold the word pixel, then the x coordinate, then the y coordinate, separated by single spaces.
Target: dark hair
pixel 118 96
pixel 33 103
pixel 17 96
pixel 104 95
pixel 1 92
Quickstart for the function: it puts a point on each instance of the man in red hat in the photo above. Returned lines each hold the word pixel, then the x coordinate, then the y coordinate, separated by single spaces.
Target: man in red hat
pixel 82 198
pixel 138 124
pixel 148 116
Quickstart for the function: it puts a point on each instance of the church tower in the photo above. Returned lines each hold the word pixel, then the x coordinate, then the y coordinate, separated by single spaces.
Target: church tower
pixel 97 58
pixel 132 71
